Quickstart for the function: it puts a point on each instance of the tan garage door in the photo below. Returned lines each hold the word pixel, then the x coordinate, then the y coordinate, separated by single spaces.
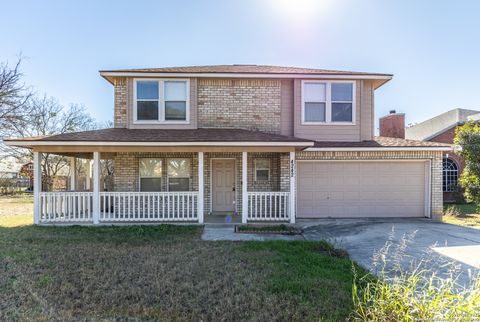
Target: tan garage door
pixel 360 189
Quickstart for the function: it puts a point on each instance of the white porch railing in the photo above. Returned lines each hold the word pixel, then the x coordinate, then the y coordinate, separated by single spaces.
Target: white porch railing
pixel 148 206
pixel 268 206
pixel 58 207
pixel 66 206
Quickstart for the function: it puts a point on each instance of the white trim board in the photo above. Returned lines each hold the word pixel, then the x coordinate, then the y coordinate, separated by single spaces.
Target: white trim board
pixel 246 75
pixel 161 101
pixel 328 103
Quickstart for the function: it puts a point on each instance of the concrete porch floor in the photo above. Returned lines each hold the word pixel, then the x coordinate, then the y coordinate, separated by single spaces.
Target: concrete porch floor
pixel 222 218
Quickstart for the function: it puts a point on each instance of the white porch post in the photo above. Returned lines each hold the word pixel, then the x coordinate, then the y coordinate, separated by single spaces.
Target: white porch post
pixel 88 173
pixel 73 173
pixel 96 188
pixel 244 188
pixel 37 186
pixel 293 176
pixel 201 188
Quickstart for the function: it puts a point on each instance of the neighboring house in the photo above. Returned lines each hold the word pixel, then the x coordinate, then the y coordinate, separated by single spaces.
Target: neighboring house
pixel 262 143
pixel 441 129
pixel 11 178
pixel 9 168
pixel 9 175
pixel 26 170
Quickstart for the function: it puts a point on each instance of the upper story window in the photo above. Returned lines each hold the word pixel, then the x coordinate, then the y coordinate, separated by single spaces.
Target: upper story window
pixel 161 101
pixel 328 102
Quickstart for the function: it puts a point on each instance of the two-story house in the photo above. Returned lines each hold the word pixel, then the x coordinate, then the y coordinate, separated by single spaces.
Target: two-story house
pixel 261 143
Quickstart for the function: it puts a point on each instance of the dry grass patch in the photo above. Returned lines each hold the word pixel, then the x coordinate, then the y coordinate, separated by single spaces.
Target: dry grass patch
pixel 462 214
pixel 166 273
pixel 16 210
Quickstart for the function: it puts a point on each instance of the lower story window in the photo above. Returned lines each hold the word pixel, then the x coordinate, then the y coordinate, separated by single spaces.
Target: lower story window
pixel 178 173
pixel 450 175
pixel 262 169
pixel 150 173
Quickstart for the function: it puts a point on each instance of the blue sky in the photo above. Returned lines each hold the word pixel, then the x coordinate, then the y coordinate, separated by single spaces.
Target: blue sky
pixel 431 47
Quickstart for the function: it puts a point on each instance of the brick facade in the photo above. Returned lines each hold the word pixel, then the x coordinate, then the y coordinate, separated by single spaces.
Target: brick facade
pixel 253 104
pixel 120 103
pixel 392 125
pixel 127 177
pixel 448 137
pixel 126 171
pixel 245 103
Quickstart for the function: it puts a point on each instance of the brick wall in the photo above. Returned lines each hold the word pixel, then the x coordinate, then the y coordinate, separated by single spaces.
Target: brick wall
pixel 448 137
pixel 244 103
pixel 434 156
pixel 272 185
pixel 126 172
pixel 126 176
pixel 120 102
pixel 393 125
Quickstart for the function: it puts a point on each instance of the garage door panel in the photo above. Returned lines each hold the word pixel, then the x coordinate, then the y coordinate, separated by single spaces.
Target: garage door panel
pixel 353 180
pixel 352 195
pixel 309 183
pixel 360 189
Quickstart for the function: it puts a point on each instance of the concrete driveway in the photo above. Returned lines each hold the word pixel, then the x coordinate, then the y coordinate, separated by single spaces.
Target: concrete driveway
pixel 442 243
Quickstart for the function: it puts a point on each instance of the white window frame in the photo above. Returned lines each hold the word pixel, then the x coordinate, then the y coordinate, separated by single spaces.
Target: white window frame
pixel 328 102
pixel 140 177
pixel 258 168
pixel 449 174
pixel 188 177
pixel 161 101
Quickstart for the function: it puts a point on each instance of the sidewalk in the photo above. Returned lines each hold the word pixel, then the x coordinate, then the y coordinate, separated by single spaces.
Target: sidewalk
pixel 226 232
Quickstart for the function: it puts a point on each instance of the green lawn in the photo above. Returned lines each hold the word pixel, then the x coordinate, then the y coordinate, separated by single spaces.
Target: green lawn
pixel 165 273
pixel 462 214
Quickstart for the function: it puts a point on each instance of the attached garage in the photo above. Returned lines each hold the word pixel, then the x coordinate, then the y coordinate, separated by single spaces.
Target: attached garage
pixel 337 189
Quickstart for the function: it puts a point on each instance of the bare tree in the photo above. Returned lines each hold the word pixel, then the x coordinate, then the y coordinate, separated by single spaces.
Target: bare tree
pixel 14 96
pixel 47 117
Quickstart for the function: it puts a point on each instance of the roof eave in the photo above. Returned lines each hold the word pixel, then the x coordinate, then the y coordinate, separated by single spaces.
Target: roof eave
pixel 372 149
pixel 30 144
pixel 382 78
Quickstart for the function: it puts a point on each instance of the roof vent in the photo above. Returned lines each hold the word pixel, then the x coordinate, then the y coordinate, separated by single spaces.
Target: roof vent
pixel 393 111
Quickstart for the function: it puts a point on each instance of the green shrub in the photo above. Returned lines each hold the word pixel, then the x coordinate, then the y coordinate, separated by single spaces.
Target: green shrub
pixel 452 211
pixel 414 294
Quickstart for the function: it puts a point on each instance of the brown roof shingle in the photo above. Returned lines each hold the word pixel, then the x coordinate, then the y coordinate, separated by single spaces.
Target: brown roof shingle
pixel 154 135
pixel 218 135
pixel 380 142
pixel 243 69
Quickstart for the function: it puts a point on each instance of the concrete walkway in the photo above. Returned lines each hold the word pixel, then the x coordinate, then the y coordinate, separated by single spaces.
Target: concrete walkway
pixel 227 232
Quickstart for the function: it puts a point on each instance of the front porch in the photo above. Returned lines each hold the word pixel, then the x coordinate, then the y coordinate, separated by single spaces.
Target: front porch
pixel 260 190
